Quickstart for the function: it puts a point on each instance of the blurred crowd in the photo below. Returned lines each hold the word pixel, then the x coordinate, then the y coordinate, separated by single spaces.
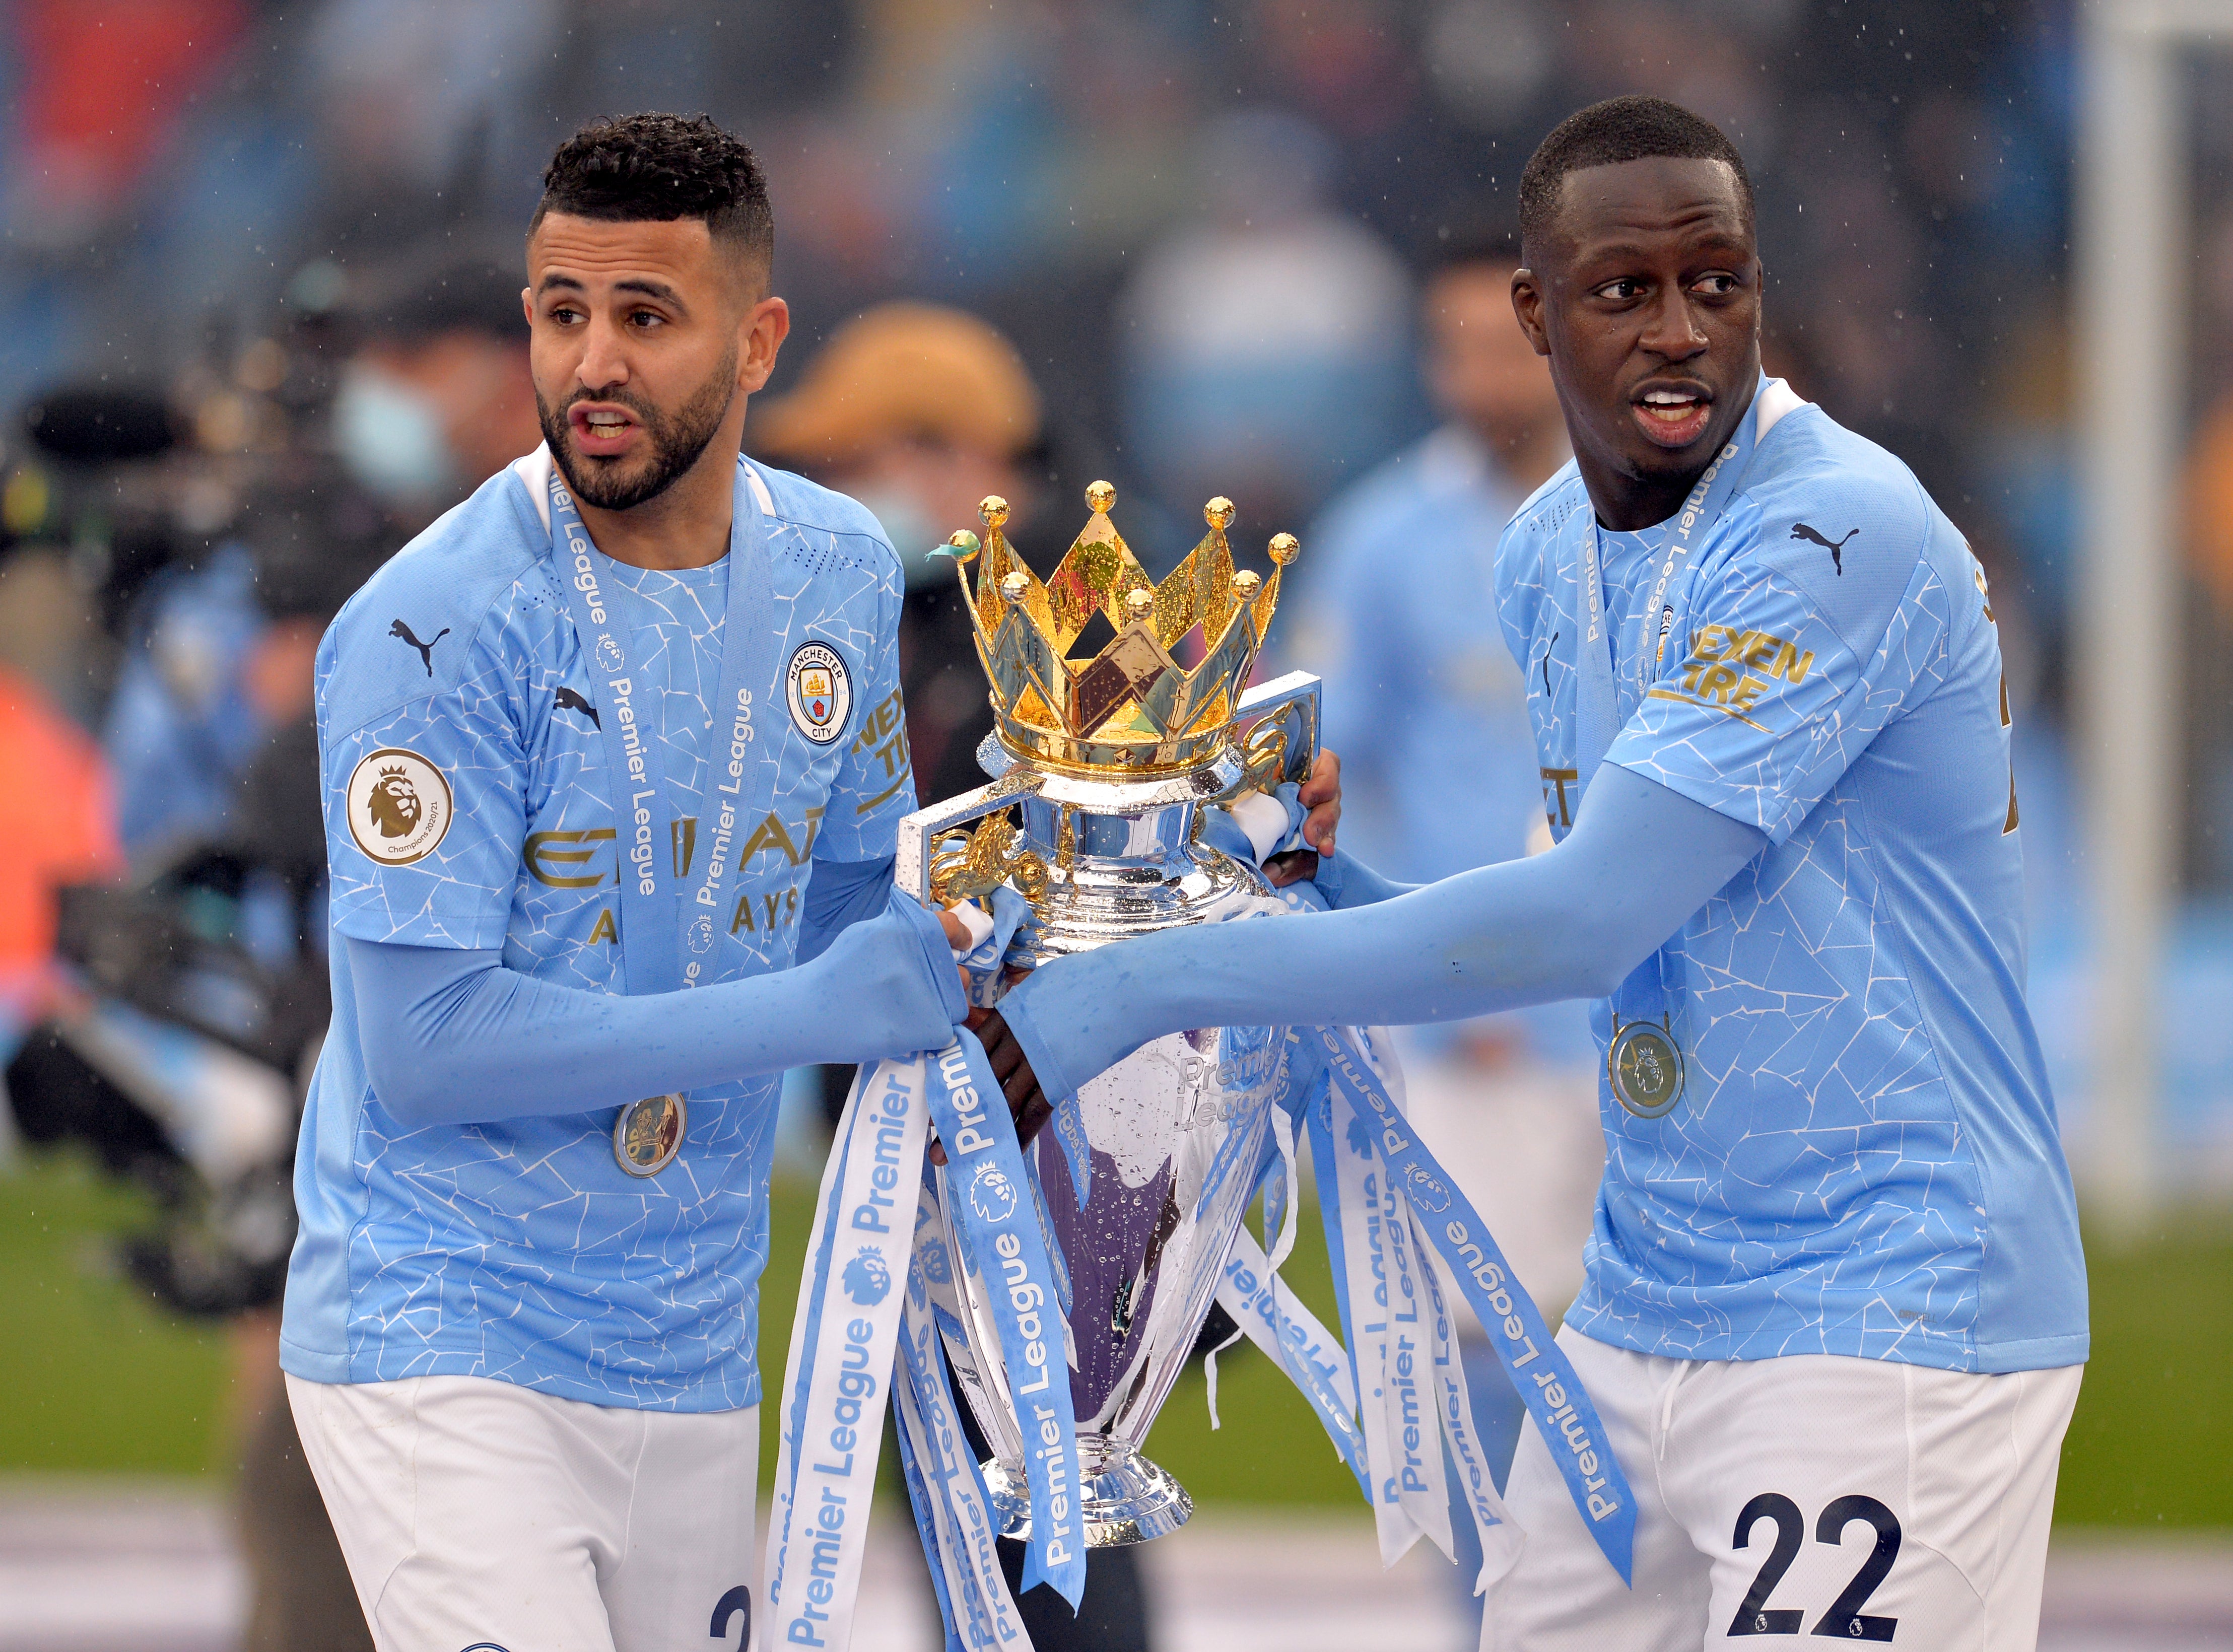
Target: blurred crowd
pixel 259 324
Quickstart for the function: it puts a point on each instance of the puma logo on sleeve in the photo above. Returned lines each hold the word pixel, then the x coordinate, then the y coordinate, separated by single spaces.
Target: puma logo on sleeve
pixel 1835 547
pixel 397 628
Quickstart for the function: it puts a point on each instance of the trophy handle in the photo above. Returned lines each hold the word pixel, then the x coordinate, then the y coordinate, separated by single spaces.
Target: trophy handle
pixel 1281 743
pixel 913 869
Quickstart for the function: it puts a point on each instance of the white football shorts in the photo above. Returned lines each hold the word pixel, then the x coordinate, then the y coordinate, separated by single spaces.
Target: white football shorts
pixel 1779 1500
pixel 479 1516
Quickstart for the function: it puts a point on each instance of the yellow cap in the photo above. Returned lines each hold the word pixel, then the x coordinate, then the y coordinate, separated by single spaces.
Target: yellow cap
pixel 899 371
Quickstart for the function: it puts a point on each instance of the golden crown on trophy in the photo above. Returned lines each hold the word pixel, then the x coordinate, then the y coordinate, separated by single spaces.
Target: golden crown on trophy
pixel 1131 707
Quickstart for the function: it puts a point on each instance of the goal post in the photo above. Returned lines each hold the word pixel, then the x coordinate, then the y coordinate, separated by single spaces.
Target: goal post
pixel 2132 208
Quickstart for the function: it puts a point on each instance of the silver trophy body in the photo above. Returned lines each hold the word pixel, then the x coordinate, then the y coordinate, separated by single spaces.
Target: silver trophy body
pixel 1175 1130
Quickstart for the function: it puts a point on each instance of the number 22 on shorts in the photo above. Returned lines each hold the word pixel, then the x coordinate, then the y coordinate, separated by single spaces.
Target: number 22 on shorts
pixel 1844 1620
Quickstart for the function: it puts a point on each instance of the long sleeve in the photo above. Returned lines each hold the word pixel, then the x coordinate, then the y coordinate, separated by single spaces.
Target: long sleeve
pixel 450 1036
pixel 1568 923
pixel 840 894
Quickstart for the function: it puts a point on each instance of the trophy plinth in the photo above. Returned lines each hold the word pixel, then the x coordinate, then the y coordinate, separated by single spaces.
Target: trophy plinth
pixel 1101 768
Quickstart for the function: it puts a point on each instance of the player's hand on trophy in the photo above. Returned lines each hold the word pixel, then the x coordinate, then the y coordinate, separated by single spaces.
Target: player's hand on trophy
pixel 1026 1104
pixel 1321 795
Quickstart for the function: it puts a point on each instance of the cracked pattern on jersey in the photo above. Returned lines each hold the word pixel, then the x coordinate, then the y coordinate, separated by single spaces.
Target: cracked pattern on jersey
pixel 1818 1190
pixel 519 1250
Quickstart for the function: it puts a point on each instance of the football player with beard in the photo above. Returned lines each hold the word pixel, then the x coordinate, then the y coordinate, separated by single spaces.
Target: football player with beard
pixel 644 697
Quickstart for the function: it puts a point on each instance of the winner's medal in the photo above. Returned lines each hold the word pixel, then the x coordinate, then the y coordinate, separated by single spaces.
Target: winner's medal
pixel 648 1134
pixel 1644 1064
pixel 659 920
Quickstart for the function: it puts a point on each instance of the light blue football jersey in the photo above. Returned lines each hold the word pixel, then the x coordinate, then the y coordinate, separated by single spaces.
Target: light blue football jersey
pixel 466 806
pixel 1865 1158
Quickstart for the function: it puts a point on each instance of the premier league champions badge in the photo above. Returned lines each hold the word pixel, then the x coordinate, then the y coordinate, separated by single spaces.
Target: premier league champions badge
pixel 1645 1068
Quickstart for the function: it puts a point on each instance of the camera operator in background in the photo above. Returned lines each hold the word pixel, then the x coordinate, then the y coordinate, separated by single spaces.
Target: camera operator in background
pixel 432 389
pixel 202 990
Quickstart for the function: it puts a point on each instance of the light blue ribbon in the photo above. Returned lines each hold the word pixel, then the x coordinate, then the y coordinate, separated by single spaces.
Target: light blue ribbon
pixel 1539 1368
pixel 989 1202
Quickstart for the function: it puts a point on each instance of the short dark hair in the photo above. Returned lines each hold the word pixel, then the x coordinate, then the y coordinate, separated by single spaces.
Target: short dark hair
pixel 1605 135
pixel 656 168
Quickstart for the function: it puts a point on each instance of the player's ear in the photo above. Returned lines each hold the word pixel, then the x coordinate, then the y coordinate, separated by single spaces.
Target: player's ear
pixel 1528 305
pixel 761 330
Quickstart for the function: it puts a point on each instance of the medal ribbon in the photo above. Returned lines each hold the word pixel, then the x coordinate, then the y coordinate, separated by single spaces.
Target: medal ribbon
pixel 666 942
pixel 1644 995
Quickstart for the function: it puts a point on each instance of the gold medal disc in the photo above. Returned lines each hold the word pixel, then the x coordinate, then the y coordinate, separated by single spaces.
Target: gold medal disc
pixel 1646 1070
pixel 648 1134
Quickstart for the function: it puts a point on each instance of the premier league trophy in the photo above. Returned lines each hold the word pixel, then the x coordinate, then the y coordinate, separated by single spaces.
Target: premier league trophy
pixel 1102 768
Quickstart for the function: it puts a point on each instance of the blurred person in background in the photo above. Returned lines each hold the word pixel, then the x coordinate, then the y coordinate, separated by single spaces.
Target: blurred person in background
pixel 57 805
pixel 1265 350
pixel 219 661
pixel 1401 622
pixel 437 393
pixel 1401 619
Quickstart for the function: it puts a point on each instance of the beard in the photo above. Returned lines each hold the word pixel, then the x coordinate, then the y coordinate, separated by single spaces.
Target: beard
pixel 677 440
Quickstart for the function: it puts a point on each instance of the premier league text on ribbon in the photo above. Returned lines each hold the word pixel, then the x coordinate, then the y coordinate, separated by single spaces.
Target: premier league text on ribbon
pixel 982 1151
pixel 1598 1489
pixel 871 1214
pixel 718 861
pixel 840 1358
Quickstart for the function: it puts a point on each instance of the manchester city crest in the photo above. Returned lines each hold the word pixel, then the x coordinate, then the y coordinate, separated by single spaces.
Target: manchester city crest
pixel 820 690
pixel 399 806
pixel 648 1134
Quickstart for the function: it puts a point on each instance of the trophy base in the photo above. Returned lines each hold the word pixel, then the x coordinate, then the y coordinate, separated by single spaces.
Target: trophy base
pixel 1128 1499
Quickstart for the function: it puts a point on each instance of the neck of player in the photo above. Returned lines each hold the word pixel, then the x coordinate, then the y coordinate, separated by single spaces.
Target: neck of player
pixel 687 524
pixel 1628 499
